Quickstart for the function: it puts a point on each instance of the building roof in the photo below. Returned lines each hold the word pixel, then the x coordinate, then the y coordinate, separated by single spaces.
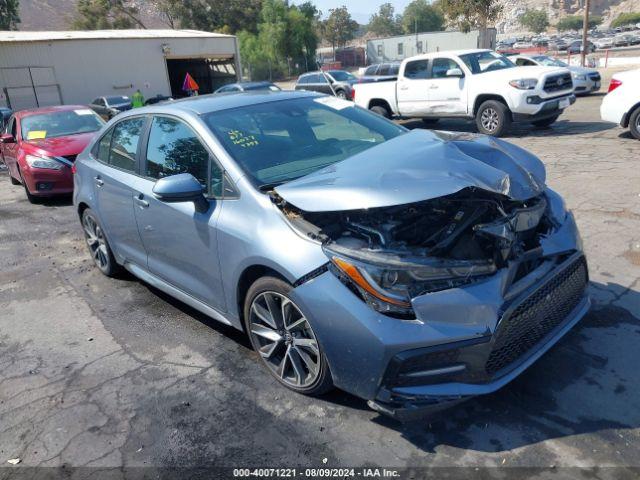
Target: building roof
pixel 104 34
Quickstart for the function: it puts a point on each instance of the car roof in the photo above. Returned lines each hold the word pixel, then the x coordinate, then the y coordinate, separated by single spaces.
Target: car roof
pixel 42 110
pixel 221 101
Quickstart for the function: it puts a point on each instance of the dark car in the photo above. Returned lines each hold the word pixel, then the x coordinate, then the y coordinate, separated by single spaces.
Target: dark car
pixel 109 106
pixel 576 47
pixel 5 114
pixel 157 99
pixel 341 81
pixel 380 72
pixel 247 87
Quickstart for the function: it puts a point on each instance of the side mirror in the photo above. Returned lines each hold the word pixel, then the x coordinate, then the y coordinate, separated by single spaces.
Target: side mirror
pixel 7 138
pixel 455 72
pixel 181 188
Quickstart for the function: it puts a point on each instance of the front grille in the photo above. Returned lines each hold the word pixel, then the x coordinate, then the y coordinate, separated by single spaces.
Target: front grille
pixel 537 315
pixel 556 83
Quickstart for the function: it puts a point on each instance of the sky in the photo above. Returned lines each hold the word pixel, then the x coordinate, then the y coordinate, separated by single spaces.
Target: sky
pixel 360 10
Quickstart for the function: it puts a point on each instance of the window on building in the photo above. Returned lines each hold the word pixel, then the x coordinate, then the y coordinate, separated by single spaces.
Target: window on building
pixel 419 46
pixel 400 49
pixel 380 50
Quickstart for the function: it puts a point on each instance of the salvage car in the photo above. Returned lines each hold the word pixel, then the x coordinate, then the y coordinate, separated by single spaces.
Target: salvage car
pixel 585 80
pixel 110 106
pixel 40 145
pixel 338 82
pixel 414 269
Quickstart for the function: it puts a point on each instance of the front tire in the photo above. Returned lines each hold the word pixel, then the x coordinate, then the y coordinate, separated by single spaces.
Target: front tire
pixel 284 339
pixel 546 122
pixel 634 123
pixel 493 118
pixel 98 246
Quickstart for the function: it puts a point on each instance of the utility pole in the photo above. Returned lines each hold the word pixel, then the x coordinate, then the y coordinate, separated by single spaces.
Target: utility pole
pixel 585 29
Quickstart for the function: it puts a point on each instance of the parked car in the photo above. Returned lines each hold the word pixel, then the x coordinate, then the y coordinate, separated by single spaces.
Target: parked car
pixel 473 84
pixel 576 47
pixel 585 80
pixel 157 99
pixel 621 105
pixel 39 147
pixel 5 114
pixel 380 72
pixel 410 268
pixel 110 106
pixel 337 81
pixel 604 43
pixel 523 46
pixel 247 86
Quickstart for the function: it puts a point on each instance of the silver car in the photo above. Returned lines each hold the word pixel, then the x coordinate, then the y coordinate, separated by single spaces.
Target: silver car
pixel 414 269
pixel 585 80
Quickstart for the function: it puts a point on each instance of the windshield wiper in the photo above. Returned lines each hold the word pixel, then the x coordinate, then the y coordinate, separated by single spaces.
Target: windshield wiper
pixel 265 187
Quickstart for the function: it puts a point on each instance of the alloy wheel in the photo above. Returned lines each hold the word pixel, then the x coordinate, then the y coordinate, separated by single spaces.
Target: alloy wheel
pixel 96 241
pixel 284 338
pixel 490 119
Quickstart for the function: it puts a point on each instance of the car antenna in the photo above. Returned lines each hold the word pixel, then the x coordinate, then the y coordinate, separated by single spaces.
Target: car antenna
pixel 326 77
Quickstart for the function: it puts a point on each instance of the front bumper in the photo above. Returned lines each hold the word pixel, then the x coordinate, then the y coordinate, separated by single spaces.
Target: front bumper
pixel 43 182
pixel 540 108
pixel 456 330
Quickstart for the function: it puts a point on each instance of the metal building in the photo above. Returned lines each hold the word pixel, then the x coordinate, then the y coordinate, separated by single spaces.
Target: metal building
pixel 403 46
pixel 51 68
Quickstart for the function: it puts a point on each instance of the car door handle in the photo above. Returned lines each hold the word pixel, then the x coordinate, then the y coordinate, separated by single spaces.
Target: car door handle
pixel 404 88
pixel 433 87
pixel 142 203
pixel 99 181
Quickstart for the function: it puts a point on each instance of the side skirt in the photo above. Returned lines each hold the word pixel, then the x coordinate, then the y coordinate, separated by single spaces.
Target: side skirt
pixel 169 289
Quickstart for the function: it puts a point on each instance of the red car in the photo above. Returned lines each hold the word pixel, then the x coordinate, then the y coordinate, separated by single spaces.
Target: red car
pixel 39 147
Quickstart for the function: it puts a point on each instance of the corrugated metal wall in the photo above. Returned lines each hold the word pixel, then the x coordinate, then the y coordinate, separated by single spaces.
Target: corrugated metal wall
pixel 401 47
pixel 85 69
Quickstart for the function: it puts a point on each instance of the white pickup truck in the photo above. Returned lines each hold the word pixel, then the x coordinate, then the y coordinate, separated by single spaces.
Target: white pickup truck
pixel 475 84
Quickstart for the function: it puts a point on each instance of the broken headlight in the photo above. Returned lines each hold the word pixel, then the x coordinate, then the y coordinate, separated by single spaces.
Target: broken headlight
pixel 390 288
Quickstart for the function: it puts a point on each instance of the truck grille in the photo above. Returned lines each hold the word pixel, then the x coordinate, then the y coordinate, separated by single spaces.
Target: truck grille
pixel 594 76
pixel 537 315
pixel 556 83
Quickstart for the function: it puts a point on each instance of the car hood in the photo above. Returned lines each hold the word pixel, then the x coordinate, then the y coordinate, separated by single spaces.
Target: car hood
pixel 582 70
pixel 60 146
pixel 416 166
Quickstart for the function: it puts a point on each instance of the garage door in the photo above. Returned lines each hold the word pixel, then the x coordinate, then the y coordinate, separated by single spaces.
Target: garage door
pixel 30 87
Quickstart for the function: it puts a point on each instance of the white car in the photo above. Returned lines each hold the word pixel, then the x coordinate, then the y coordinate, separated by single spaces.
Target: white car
pixel 474 84
pixel 622 104
pixel 585 80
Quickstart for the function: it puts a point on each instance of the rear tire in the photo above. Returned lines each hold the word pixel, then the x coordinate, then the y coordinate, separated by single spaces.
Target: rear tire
pixel 634 123
pixel 283 338
pixel 380 110
pixel 341 94
pixel 546 122
pixel 493 118
pixel 98 246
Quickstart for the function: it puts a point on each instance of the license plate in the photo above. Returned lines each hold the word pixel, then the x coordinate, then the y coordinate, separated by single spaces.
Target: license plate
pixel 564 103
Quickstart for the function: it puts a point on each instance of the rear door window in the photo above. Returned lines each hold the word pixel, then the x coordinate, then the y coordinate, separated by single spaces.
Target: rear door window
pixel 124 143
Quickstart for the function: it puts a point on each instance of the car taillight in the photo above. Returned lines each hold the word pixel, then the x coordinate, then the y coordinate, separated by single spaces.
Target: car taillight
pixel 353 94
pixel 614 84
pixel 73 169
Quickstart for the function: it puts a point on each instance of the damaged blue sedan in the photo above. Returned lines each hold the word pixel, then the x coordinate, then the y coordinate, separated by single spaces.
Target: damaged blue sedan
pixel 414 269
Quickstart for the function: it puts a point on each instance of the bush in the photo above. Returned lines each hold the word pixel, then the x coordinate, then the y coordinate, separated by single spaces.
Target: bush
pixel 575 22
pixel 626 19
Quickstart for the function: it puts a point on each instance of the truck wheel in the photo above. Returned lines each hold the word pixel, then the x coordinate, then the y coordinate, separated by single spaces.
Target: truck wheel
pixel 634 123
pixel 493 118
pixel 546 122
pixel 382 111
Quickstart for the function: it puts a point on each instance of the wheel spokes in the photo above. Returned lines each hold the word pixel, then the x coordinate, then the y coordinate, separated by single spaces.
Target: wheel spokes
pixel 263 314
pixel 266 332
pixel 309 343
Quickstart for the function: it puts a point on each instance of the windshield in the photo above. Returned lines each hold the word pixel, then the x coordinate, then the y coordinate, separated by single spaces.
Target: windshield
pixel 482 62
pixel 116 100
pixel 60 124
pixel 279 141
pixel 341 76
pixel 549 61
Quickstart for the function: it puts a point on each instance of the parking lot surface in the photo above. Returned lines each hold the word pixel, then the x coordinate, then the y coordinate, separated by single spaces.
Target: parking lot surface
pixel 110 372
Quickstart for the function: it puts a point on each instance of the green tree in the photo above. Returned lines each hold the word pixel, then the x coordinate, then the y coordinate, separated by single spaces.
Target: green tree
pixel 422 16
pixel 9 18
pixel 470 14
pixel 623 19
pixel 105 14
pixel 535 21
pixel 384 23
pixel 575 22
pixel 225 16
pixel 339 28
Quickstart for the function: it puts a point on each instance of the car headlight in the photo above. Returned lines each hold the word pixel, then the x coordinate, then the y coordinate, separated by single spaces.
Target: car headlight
pixel 524 83
pixel 43 162
pixel 577 76
pixel 389 289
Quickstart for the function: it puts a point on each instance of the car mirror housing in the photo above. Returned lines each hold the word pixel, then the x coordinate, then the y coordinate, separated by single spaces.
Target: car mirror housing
pixel 181 188
pixel 455 72
pixel 7 138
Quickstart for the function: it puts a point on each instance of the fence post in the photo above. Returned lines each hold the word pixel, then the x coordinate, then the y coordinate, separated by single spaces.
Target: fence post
pixel 606 59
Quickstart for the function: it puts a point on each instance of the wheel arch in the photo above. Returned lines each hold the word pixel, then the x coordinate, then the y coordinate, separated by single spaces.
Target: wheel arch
pixel 380 102
pixel 480 99
pixel 627 116
pixel 247 278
